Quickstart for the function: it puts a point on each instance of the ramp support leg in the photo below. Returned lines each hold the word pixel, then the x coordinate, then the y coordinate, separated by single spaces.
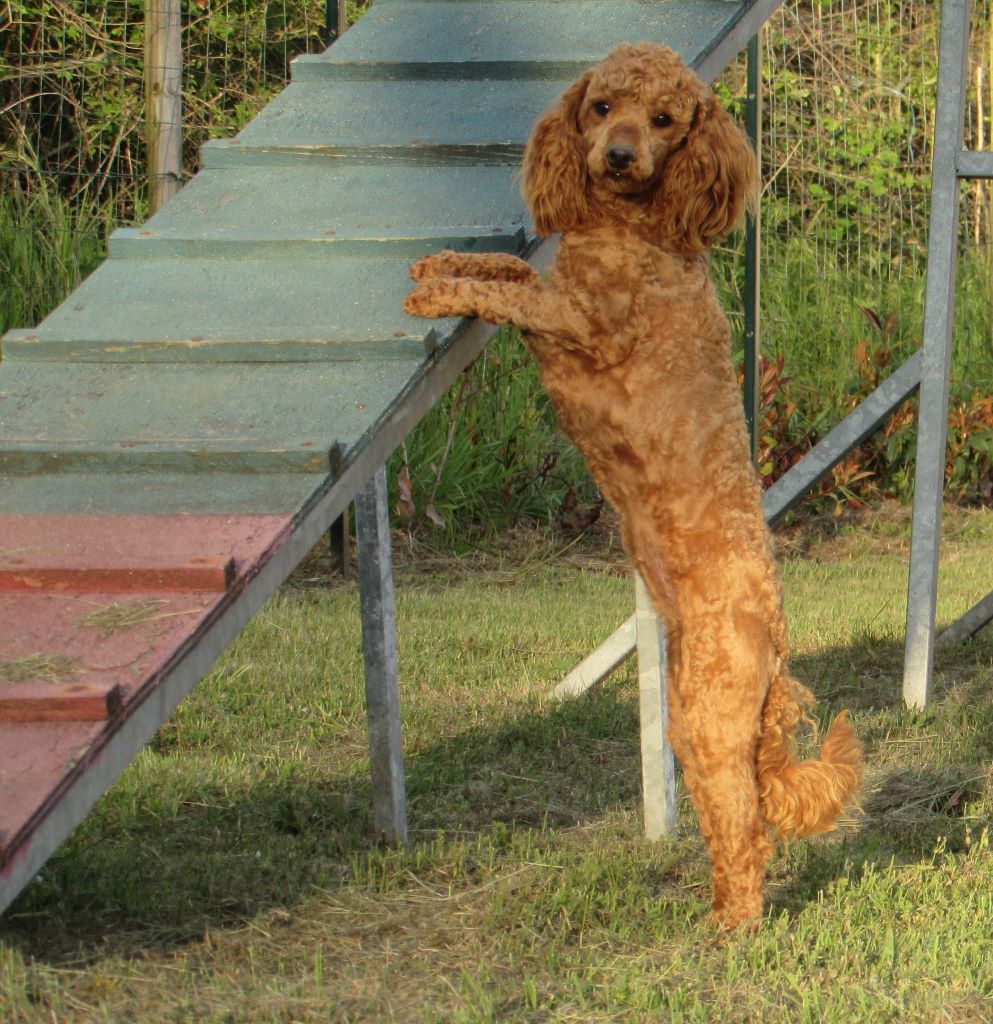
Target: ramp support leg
pixel 379 650
pixel 338 544
pixel 939 306
pixel 658 770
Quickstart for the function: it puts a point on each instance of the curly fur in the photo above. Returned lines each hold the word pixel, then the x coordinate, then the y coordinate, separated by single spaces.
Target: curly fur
pixel 641 171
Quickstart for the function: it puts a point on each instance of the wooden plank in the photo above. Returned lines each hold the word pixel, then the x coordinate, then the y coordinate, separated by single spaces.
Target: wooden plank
pixel 129 553
pixel 57 702
pixel 521 38
pixel 25 457
pixel 356 202
pixel 316 68
pixel 217 576
pixel 255 243
pixel 392 210
pixel 84 637
pixel 117 493
pixel 198 548
pixel 113 603
pixel 230 153
pixel 248 418
pixel 487 121
pixel 245 310
pixel 39 345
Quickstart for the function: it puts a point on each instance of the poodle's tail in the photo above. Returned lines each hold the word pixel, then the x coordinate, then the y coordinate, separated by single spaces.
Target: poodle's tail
pixel 806 797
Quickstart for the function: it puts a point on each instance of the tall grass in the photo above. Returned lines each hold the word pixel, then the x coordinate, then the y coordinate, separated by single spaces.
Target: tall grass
pixel 48 244
pixel 815 315
pixel 490 454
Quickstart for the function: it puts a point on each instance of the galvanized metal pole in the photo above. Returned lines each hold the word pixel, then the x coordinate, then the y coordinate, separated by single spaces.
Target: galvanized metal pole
pixel 753 240
pixel 658 770
pixel 379 649
pixel 163 100
pixel 338 544
pixel 939 305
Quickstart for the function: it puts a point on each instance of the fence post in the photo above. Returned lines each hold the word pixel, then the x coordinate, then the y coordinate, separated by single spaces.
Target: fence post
pixel 163 100
pixel 335 20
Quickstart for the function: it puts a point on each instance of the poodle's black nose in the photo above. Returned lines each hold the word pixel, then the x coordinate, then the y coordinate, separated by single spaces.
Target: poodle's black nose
pixel 620 157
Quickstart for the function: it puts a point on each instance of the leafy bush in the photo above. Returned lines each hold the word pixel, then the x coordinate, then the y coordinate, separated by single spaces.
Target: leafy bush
pixel 794 418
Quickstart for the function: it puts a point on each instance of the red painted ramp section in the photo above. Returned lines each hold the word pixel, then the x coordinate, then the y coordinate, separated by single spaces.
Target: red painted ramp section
pixel 93 609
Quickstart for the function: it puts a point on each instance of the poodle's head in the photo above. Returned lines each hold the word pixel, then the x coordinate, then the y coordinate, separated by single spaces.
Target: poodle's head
pixel 639 139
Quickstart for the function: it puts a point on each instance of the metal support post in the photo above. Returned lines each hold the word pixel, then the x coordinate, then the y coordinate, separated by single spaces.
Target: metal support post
pixel 939 304
pixel 658 770
pixel 753 240
pixel 338 544
pixel 379 651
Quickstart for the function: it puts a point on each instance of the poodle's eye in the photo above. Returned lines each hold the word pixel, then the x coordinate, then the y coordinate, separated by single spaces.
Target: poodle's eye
pixel 661 120
pixel 601 109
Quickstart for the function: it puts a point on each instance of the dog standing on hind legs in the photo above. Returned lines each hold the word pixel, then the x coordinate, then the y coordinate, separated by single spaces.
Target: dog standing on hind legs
pixel 640 170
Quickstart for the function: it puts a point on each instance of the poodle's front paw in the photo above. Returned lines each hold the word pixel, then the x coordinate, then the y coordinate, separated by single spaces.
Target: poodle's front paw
pixel 438 264
pixel 437 296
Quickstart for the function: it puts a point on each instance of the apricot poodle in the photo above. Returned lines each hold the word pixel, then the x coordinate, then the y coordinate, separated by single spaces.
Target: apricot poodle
pixel 641 170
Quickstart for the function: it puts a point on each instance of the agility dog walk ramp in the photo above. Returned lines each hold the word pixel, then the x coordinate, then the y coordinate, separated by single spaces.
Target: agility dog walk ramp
pixel 181 431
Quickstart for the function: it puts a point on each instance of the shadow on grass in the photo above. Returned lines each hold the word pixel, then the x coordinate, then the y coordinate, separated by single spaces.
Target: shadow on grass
pixel 150 871
pixel 927 771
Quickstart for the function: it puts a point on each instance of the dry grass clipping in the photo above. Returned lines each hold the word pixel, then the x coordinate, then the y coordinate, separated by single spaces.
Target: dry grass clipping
pixel 49 668
pixel 120 615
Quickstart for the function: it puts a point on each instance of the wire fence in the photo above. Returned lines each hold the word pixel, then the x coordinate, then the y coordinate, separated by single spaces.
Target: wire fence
pixel 72 113
pixel 849 88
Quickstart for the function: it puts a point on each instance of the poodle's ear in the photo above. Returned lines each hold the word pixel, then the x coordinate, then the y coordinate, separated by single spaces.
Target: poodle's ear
pixel 708 182
pixel 555 175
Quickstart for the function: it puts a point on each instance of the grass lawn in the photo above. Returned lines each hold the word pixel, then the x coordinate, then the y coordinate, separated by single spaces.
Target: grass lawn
pixel 229 875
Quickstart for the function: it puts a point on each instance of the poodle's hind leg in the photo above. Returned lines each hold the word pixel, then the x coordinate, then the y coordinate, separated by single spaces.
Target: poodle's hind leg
pixel 714 736
pixel 485 266
pixel 722 784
